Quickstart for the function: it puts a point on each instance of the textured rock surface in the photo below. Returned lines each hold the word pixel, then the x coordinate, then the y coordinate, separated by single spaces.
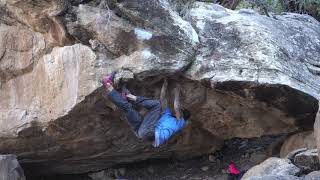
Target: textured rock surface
pixel 266 50
pixel 297 141
pixel 307 160
pixel 242 75
pixel 102 175
pixel 313 175
pixel 292 154
pixel 317 130
pixel 10 168
pixel 39 15
pixel 272 166
pixel 272 177
pixel 108 174
pixel 239 46
pixel 49 91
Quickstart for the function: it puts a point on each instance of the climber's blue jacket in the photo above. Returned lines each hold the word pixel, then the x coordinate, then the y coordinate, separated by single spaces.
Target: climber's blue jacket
pixel 167 126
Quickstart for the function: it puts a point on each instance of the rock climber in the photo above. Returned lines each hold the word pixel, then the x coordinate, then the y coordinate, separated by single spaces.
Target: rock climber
pixel 234 173
pixel 159 124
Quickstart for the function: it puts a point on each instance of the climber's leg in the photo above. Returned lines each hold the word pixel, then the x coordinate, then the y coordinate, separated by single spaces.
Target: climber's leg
pixel 139 100
pixel 146 102
pixel 147 127
pixel 132 116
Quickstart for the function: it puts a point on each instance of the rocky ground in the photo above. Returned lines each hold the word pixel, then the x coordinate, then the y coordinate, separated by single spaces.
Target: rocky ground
pixel 243 152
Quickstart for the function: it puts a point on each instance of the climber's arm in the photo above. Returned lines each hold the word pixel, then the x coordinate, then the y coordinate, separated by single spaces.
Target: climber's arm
pixel 177 107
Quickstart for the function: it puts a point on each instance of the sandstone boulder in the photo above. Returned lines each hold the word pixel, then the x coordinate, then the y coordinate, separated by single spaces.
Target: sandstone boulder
pixel 257 158
pixel 272 166
pixel 143 42
pixel 292 154
pixel 315 175
pixel 273 177
pixel 235 52
pixel 41 16
pixel 297 141
pixel 242 75
pixel 108 174
pixel 10 168
pixel 317 130
pixel 102 175
pixel 255 46
pixel 308 160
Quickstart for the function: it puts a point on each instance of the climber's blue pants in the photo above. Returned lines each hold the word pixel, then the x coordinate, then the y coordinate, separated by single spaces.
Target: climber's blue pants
pixel 144 127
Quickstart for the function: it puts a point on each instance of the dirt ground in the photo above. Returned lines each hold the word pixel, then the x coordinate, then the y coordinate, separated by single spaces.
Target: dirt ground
pixel 245 153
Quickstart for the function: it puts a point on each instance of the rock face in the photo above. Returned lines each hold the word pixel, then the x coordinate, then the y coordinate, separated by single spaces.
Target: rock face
pixel 236 52
pixel 108 174
pixel 102 175
pixel 308 160
pixel 313 175
pixel 272 167
pixel 272 177
pixel 10 168
pixel 242 75
pixel 317 130
pixel 297 141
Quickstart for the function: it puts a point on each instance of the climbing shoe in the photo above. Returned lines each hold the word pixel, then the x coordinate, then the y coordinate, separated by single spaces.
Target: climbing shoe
pixel 109 78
